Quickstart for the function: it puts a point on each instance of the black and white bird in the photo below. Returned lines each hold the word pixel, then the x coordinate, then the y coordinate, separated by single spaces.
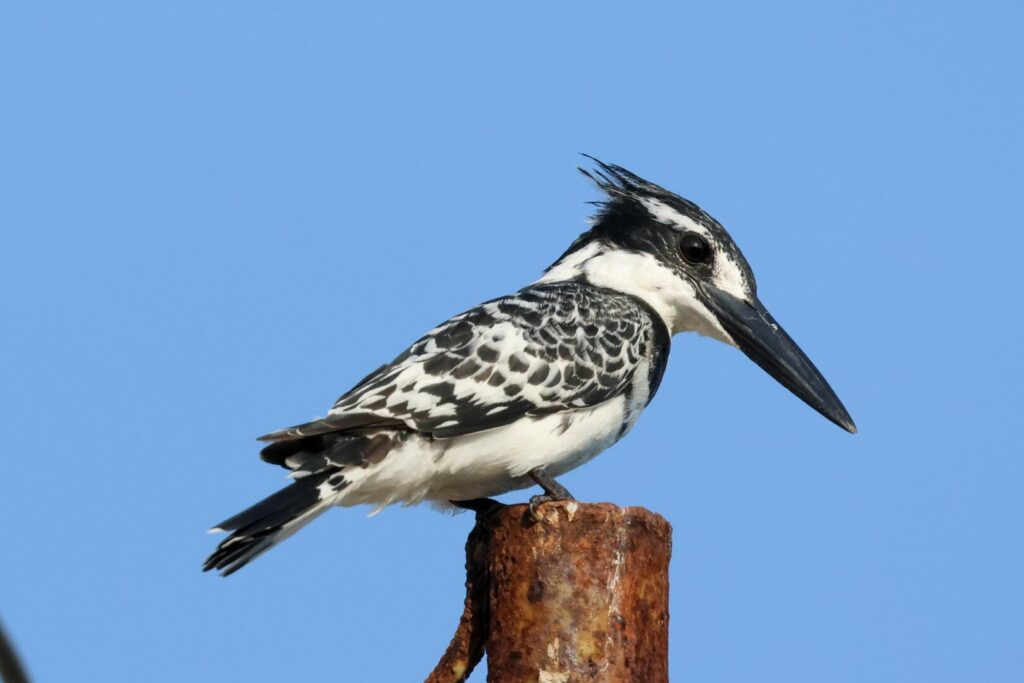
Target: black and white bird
pixel 526 387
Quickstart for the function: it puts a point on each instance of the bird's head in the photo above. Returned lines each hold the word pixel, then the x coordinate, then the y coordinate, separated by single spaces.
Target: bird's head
pixel 665 250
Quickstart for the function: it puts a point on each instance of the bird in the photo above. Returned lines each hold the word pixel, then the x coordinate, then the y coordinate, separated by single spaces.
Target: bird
pixel 523 388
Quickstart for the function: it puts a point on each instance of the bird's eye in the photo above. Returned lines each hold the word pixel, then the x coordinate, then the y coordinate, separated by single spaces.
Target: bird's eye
pixel 695 249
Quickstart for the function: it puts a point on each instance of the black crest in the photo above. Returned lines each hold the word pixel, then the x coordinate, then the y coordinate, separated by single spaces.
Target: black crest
pixel 626 190
pixel 622 218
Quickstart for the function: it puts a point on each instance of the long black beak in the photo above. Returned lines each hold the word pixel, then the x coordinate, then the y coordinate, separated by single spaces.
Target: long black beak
pixel 765 342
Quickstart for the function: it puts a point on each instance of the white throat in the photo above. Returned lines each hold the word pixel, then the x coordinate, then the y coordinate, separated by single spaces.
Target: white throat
pixel 643 276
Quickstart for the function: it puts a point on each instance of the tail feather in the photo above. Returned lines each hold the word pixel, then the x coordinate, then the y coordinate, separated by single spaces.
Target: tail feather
pixel 318 464
pixel 268 522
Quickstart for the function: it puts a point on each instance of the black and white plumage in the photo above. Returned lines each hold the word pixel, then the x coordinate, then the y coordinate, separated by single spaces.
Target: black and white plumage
pixel 538 381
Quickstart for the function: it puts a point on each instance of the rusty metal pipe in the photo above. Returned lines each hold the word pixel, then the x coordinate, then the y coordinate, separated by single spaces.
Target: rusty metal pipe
pixel 580 595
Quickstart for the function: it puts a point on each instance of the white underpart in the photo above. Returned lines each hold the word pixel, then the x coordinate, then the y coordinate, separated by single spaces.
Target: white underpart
pixel 491 462
pixel 645 277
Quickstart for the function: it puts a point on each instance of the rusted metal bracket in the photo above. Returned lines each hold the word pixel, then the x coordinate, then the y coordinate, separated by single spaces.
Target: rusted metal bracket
pixel 579 595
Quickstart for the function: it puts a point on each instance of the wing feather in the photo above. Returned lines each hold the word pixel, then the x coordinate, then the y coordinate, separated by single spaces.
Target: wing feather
pixel 548 348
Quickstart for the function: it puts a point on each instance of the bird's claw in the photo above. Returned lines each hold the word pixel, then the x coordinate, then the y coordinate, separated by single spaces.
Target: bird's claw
pixel 533 509
pixel 553 491
pixel 535 502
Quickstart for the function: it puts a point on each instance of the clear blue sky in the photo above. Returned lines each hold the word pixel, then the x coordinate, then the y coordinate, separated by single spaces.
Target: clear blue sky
pixel 216 217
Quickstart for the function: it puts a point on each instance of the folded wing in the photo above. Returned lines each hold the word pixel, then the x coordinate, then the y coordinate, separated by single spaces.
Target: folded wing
pixel 548 348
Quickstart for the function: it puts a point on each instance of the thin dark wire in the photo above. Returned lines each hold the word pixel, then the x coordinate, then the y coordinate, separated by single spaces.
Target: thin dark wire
pixel 11 670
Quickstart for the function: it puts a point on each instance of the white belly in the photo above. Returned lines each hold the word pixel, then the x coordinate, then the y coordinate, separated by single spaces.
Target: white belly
pixel 488 463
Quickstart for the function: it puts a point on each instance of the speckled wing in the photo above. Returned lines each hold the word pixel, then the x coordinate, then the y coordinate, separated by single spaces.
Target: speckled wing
pixel 547 348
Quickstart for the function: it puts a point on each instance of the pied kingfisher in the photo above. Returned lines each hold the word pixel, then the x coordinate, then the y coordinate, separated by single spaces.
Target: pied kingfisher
pixel 526 387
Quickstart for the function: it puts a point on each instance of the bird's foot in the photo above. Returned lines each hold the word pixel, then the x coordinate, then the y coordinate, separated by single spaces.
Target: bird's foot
pixel 553 491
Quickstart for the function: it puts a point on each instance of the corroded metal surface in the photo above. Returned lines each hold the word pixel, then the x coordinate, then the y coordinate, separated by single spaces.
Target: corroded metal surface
pixel 580 595
pixel 467 646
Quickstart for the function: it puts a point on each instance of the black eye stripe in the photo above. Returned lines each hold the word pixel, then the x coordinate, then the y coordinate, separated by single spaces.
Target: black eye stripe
pixel 694 249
